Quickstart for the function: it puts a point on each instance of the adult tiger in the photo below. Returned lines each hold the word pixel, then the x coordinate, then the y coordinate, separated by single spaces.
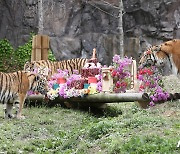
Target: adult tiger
pixel 70 65
pixel 53 66
pixel 14 88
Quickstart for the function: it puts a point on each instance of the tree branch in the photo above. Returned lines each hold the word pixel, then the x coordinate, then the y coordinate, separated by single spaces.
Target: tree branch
pixel 93 5
pixel 107 3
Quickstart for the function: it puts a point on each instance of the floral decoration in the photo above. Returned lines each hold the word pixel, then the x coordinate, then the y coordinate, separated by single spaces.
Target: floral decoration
pixel 121 73
pixel 151 82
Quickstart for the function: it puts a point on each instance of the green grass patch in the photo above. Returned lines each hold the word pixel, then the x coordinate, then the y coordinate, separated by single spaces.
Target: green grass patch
pixel 120 128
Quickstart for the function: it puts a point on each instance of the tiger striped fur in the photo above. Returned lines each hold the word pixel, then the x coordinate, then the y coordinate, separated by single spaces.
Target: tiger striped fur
pixel 154 57
pixel 70 65
pixel 14 88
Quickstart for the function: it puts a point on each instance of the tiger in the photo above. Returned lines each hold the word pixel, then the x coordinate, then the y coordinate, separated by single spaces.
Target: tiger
pixel 14 87
pixel 53 66
pixel 70 65
pixel 153 56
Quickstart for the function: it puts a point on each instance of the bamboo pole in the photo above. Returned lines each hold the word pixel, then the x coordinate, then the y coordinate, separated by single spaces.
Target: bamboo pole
pixel 98 98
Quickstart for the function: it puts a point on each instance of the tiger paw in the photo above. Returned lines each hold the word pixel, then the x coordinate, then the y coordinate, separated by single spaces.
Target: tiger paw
pixel 20 117
pixel 8 116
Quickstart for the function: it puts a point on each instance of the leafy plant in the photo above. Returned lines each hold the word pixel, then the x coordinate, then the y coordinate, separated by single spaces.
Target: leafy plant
pixel 51 56
pixel 6 55
pixel 23 53
pixel 14 59
pixel 11 59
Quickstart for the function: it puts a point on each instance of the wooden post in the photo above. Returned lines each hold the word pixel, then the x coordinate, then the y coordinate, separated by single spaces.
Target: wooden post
pixel 45 47
pixel 134 75
pixel 40 47
pixel 33 49
pixel 134 87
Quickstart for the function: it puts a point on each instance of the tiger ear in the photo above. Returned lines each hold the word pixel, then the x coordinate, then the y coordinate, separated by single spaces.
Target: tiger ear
pixel 174 40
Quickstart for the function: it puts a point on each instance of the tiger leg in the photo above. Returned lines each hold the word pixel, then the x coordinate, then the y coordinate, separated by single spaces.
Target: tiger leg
pixel 21 104
pixel 8 110
pixel 16 104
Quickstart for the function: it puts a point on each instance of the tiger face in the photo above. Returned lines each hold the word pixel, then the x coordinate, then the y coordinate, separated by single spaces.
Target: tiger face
pixel 29 66
pixel 153 57
pixel 41 86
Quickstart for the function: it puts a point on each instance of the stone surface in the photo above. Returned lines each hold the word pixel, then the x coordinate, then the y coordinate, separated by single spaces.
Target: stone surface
pixel 76 27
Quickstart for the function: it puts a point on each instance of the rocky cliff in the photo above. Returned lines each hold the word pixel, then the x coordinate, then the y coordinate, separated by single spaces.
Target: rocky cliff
pixel 76 27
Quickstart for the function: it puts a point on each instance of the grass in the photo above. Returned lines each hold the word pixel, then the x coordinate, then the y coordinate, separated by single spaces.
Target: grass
pixel 120 128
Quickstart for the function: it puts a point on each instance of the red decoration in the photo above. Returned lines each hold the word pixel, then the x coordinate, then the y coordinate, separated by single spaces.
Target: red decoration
pixel 89 72
pixel 61 80
pixel 78 84
pixel 92 80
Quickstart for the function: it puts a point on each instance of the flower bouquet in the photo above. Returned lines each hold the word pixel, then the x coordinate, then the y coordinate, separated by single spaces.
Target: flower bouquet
pixel 121 74
pixel 151 82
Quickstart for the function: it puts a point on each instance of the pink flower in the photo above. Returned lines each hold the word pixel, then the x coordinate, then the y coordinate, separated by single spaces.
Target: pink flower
pixel 140 77
pixel 151 103
pixel 114 72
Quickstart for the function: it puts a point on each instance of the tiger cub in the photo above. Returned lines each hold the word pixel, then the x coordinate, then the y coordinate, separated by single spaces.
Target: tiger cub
pixel 52 66
pixel 14 87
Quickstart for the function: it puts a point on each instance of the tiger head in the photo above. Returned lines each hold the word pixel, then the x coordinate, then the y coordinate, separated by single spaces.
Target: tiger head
pixel 153 57
pixel 39 84
pixel 36 67
pixel 30 66
pixel 171 47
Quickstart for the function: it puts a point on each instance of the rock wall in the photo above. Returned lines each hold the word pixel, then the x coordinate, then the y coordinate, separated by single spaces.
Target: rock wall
pixel 76 27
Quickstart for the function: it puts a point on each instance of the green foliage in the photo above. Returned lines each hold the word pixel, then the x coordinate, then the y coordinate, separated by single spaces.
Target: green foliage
pixel 23 53
pixel 11 59
pixel 51 57
pixel 6 55
pixel 14 59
